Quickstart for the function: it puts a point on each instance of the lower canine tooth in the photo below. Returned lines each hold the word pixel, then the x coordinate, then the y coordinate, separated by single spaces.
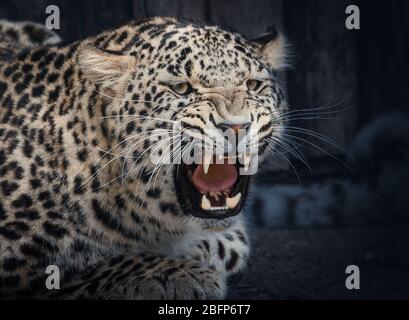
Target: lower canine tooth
pixel 233 202
pixel 206 203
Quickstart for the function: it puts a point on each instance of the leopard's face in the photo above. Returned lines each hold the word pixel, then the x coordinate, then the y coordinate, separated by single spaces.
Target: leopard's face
pixel 194 112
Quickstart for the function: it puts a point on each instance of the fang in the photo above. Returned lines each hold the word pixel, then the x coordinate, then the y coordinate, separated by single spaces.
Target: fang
pixel 234 201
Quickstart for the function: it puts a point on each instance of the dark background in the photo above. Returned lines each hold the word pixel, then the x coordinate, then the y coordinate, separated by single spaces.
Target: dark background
pixel 365 71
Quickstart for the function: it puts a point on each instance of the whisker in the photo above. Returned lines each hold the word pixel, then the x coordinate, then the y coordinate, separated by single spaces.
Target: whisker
pixel 134 137
pixel 325 109
pixel 182 152
pixel 143 167
pixel 161 162
pixel 121 175
pixel 170 156
pixel 117 156
pixel 292 151
pixel 275 151
pixel 323 150
pixel 157 145
pixel 322 138
pixel 313 115
pixel 125 100
pixel 140 117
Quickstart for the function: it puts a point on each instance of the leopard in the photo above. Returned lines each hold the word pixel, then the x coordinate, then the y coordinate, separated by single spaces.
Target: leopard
pixel 80 127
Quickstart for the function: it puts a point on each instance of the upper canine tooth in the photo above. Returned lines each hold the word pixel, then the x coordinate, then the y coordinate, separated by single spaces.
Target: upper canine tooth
pixel 246 160
pixel 233 202
pixel 207 159
pixel 205 203
pixel 220 158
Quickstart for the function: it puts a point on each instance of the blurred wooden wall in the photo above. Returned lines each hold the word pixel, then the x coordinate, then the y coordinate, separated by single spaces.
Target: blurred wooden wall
pixel 365 70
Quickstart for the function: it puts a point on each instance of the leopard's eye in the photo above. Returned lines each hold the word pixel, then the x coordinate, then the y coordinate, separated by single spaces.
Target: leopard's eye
pixel 182 88
pixel 253 85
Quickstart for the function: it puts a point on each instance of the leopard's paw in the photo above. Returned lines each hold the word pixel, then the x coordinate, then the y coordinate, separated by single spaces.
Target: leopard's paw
pixel 186 282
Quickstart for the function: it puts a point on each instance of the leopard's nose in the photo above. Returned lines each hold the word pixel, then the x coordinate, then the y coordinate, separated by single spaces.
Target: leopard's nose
pixel 234 127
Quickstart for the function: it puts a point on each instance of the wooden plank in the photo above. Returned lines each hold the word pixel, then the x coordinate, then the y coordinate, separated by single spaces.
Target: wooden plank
pixel 325 73
pixel 23 10
pixel 250 18
pixel 138 9
pixel 383 58
pixel 194 10
pixel 79 18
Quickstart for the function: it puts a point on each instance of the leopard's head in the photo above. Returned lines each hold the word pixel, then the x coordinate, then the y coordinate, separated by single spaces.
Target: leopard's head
pixel 194 109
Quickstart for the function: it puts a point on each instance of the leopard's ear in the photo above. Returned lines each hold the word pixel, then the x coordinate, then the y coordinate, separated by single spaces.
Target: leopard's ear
pixel 273 48
pixel 106 68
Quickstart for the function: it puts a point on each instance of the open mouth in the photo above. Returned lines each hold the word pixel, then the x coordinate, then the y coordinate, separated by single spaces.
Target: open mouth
pixel 212 190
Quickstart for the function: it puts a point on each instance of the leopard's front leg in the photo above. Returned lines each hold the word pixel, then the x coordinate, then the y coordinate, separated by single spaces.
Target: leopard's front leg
pixel 200 273
pixel 227 251
pixel 146 276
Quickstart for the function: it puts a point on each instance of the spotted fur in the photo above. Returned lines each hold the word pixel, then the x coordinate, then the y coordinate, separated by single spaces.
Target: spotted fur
pixel 76 189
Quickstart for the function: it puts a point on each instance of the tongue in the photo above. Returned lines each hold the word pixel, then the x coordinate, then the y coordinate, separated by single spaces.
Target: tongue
pixel 219 177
